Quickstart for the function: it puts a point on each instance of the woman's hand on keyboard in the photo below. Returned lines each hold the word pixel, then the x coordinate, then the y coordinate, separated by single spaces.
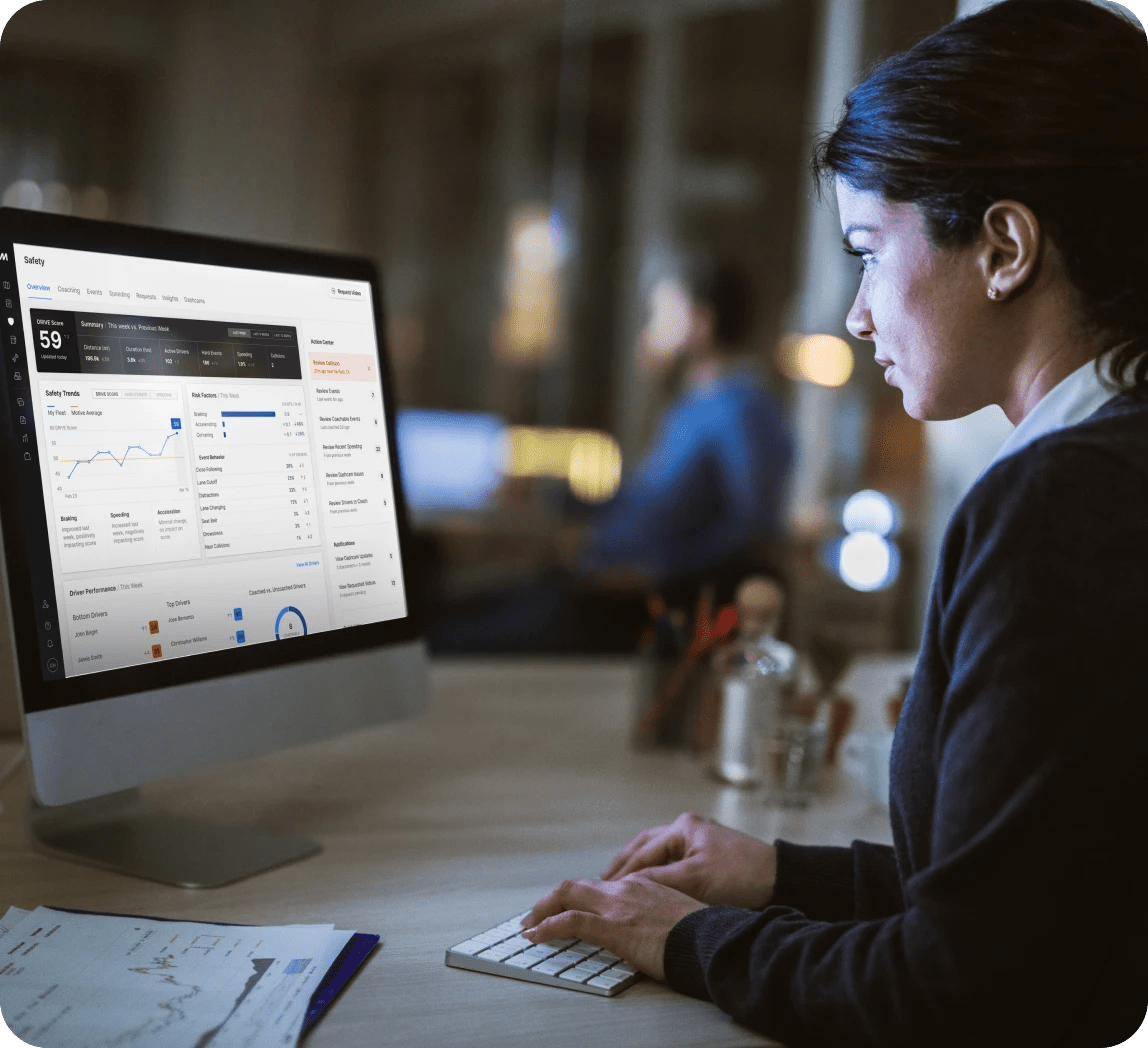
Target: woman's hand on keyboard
pixel 630 917
pixel 703 859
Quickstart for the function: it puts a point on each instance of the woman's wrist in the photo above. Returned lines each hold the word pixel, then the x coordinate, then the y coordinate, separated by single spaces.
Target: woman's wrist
pixel 769 876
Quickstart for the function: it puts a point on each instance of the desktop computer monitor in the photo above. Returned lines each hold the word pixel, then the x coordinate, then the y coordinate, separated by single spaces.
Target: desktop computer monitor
pixel 204 533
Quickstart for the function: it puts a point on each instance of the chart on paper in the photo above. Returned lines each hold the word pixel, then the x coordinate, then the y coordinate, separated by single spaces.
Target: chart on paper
pixel 120 476
pixel 128 982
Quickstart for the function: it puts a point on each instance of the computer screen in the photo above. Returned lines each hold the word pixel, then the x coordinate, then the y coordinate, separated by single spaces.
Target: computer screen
pixel 208 482
pixel 200 465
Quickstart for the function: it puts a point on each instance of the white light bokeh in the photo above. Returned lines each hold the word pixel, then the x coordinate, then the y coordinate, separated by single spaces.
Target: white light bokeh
pixel 870 510
pixel 671 317
pixel 26 194
pixel 537 244
pixel 867 561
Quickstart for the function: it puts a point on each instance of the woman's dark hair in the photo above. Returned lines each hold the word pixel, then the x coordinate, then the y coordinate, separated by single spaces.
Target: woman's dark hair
pixel 1040 101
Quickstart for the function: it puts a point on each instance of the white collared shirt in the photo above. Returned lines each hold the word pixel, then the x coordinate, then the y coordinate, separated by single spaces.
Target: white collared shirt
pixel 1071 401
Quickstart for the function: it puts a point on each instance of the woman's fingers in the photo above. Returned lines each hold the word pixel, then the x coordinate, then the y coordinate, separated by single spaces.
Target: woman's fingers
pixel 666 848
pixel 569 895
pixel 681 876
pixel 675 842
pixel 574 924
pixel 623 856
pixel 631 917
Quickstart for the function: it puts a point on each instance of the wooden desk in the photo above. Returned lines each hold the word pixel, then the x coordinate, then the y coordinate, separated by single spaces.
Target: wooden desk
pixel 433 829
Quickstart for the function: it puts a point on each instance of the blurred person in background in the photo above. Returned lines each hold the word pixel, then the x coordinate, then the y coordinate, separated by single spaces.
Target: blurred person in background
pixel 991 180
pixel 701 510
pixel 708 496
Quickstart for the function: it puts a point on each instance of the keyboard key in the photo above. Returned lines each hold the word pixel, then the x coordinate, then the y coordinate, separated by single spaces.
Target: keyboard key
pixel 500 952
pixel 569 957
pixel 469 948
pixel 492 936
pixel 553 966
pixel 574 975
pixel 607 956
pixel 623 969
pixel 561 944
pixel 541 953
pixel 586 949
pixel 606 981
pixel 591 967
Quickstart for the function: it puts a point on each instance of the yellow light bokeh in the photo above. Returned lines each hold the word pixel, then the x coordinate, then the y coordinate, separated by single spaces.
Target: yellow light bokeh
pixel 588 460
pixel 822 359
pixel 595 467
pixel 528 330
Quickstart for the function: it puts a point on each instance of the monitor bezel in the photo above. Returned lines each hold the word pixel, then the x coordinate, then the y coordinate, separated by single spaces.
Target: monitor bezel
pixel 37 694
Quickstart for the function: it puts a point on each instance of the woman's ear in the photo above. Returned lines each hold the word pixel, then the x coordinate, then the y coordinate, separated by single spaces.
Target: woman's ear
pixel 1010 245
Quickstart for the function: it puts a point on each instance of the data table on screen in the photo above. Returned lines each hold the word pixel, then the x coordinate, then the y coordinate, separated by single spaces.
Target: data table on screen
pixel 253 469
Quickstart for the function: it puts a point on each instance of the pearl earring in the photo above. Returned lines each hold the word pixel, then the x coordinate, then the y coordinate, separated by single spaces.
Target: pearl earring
pixel 994 293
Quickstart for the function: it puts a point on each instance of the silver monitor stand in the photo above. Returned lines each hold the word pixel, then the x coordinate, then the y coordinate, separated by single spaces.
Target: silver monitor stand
pixel 104 750
pixel 118 832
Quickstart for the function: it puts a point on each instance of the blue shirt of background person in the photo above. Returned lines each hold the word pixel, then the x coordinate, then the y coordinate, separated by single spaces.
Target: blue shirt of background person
pixel 713 483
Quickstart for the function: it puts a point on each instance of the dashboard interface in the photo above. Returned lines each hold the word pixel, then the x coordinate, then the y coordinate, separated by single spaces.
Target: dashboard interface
pixel 212 451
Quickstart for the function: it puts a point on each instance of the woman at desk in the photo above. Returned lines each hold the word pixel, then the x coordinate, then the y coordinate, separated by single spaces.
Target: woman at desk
pixel 992 181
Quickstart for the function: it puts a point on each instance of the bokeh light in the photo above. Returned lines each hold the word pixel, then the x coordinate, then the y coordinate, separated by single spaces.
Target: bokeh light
pixel 595 470
pixel 24 193
pixel 822 359
pixel 870 510
pixel 671 318
pixel 536 241
pixel 528 330
pixel 588 460
pixel 867 562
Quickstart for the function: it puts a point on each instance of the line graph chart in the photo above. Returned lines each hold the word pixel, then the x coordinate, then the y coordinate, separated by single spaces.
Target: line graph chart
pixel 120 460
pixel 134 445
pixel 120 481
pixel 104 981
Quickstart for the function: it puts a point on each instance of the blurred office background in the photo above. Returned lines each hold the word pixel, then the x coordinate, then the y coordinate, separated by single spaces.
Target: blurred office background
pixel 531 177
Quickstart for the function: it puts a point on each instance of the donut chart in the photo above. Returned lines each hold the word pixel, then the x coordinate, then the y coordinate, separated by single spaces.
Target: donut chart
pixel 290 623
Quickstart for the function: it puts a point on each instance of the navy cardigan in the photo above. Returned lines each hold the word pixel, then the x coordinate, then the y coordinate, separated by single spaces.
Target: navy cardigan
pixel 1011 908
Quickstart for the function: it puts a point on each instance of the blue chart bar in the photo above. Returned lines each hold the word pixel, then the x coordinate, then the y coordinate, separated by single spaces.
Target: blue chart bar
pixel 248 414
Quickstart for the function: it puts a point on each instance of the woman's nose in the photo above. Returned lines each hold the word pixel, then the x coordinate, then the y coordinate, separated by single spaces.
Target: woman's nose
pixel 859 322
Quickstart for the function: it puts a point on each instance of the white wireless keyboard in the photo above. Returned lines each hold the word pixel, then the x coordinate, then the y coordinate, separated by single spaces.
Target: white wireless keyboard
pixel 569 963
